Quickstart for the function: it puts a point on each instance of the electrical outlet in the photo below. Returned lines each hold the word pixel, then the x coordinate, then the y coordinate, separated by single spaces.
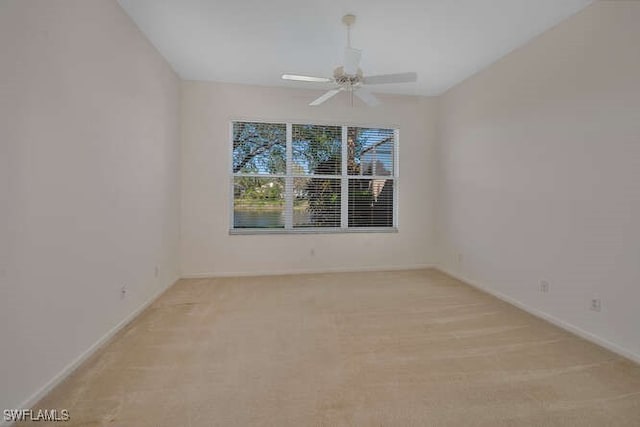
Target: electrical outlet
pixel 156 271
pixel 544 286
pixel 123 292
pixel 312 252
pixel 595 304
pixel 460 258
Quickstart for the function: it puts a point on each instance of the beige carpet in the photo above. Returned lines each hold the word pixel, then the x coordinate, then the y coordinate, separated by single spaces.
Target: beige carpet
pixel 411 348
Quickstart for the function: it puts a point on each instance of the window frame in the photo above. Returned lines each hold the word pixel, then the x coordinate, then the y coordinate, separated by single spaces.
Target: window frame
pixel 288 176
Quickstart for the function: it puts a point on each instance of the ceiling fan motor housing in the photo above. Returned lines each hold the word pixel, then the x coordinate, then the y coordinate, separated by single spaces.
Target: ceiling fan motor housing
pixel 347 80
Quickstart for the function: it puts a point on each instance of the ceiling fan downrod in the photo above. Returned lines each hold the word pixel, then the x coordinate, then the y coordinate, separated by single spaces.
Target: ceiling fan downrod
pixel 349 20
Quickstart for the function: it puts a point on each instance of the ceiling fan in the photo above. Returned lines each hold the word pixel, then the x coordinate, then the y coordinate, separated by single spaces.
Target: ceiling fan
pixel 349 76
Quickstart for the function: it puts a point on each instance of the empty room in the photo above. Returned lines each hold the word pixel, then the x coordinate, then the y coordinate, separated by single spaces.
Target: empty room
pixel 335 213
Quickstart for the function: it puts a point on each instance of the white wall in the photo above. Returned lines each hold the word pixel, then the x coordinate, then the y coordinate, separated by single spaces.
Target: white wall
pixel 208 249
pixel 89 182
pixel 540 174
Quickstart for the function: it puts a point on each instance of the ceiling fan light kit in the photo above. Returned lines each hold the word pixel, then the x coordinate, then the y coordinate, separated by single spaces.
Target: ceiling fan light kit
pixel 349 76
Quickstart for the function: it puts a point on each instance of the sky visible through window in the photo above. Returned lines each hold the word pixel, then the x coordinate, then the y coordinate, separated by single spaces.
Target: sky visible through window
pixel 313 147
pixel 376 151
pixel 368 138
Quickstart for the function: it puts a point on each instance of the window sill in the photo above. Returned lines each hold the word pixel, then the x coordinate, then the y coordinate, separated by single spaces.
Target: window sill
pixel 270 231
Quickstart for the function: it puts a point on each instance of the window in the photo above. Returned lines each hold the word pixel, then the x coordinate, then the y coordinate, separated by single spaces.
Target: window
pixel 289 177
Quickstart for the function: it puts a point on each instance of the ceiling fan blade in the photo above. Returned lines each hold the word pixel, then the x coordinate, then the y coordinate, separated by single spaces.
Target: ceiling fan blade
pixel 390 78
pixel 300 78
pixel 367 97
pixel 351 60
pixel 325 97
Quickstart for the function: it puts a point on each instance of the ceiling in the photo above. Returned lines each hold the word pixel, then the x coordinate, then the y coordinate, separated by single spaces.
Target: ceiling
pixel 255 41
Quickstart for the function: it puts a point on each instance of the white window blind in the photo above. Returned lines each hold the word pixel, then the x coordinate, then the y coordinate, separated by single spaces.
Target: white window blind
pixel 289 177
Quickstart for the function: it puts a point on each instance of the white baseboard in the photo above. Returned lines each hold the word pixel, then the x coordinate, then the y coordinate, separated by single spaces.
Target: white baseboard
pixel 289 272
pixel 548 317
pixel 62 375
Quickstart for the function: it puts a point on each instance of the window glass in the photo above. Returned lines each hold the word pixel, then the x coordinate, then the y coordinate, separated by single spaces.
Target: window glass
pixel 297 177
